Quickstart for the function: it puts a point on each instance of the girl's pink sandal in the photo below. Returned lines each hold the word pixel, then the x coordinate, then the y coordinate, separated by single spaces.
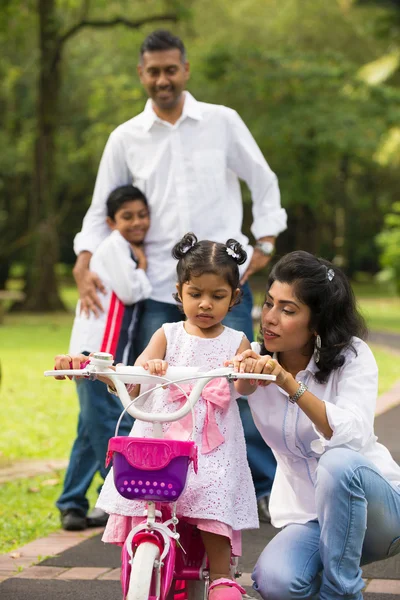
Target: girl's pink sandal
pixel 231 591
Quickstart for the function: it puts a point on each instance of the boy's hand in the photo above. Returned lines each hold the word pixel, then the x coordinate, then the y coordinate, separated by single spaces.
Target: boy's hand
pixel 140 255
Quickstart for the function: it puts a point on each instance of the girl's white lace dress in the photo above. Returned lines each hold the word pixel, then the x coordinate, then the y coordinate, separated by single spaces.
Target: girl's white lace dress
pixel 222 489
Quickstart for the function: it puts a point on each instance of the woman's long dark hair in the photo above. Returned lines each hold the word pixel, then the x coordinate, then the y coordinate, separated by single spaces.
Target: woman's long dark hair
pixel 325 289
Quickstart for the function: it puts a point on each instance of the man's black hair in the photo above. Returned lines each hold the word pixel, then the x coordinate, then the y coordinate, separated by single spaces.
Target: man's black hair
pixel 160 40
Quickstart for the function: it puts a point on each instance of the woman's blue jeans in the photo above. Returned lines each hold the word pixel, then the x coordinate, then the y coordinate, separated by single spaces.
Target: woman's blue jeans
pixel 358 522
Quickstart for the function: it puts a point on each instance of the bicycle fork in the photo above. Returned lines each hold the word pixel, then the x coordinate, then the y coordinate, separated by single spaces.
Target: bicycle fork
pixel 161 535
pixel 188 567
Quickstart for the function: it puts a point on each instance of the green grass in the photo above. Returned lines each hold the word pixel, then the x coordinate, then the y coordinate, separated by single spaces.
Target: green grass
pixel 388 364
pixel 381 314
pixel 38 413
pixel 41 415
pixel 27 510
pixel 379 305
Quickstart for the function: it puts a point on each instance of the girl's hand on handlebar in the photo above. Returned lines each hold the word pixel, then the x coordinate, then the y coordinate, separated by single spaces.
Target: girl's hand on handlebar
pixel 156 366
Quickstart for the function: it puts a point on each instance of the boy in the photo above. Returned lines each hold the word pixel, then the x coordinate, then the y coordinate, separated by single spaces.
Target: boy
pixel 120 263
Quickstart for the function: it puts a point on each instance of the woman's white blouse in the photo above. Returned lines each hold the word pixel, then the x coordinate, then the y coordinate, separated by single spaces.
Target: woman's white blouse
pixel 350 396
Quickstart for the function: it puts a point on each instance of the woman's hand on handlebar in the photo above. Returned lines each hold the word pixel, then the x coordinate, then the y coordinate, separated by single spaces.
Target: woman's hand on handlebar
pixel 249 361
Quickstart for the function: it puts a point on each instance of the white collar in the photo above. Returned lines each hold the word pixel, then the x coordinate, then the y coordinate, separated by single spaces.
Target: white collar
pixel 191 109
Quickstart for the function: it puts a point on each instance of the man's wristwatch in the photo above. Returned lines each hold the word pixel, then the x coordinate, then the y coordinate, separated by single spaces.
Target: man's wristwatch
pixel 267 248
pixel 300 391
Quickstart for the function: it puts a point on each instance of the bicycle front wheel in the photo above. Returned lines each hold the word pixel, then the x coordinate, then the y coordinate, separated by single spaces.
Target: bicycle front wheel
pixel 142 571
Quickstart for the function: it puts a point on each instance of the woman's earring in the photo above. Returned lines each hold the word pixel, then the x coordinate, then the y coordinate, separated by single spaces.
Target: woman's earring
pixel 317 348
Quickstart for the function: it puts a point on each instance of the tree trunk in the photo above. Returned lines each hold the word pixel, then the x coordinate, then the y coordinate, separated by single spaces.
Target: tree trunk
pixel 342 213
pixel 41 284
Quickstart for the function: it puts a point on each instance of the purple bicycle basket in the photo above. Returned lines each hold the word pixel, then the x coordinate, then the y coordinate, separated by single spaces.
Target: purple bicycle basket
pixel 150 469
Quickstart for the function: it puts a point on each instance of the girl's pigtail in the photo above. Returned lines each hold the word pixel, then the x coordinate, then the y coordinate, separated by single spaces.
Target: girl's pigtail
pixel 236 251
pixel 184 245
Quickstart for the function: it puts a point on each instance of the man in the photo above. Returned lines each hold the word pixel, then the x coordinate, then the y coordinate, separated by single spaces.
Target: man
pixel 187 157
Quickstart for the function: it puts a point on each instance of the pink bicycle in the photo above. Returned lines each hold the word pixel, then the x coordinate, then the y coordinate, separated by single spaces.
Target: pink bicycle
pixel 163 558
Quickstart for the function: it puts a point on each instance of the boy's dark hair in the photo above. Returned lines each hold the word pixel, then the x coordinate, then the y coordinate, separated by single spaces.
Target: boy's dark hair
pixel 326 290
pixel 196 258
pixel 160 40
pixel 122 194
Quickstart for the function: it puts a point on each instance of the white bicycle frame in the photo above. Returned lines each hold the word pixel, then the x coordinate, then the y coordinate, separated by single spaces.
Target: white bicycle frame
pixel 101 362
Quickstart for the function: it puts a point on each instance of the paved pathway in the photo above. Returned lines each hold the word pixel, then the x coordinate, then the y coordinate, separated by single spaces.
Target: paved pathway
pixel 28 468
pixel 384 338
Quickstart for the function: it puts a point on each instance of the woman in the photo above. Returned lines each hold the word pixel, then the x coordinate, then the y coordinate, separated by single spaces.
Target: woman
pixel 336 493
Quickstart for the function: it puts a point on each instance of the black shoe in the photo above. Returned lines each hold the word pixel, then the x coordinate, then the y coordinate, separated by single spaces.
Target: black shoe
pixel 263 509
pixel 73 519
pixel 97 518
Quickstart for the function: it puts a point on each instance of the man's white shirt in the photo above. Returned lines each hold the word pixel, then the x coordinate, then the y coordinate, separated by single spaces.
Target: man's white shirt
pixel 190 174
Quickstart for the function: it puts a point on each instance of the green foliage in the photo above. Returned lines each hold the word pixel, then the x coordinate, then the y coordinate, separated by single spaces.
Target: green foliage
pixel 291 68
pixel 389 241
pixel 297 87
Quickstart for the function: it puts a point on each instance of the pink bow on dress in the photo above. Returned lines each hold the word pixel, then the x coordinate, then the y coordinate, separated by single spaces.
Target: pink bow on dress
pixel 216 395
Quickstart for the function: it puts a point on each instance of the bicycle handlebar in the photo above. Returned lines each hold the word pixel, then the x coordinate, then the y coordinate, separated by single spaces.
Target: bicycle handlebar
pixel 130 374
pixel 139 375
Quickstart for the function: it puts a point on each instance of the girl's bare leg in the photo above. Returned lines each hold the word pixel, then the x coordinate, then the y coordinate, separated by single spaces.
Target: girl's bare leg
pixel 218 548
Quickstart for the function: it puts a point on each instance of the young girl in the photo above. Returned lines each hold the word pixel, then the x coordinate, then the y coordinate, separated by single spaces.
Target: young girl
pixel 220 500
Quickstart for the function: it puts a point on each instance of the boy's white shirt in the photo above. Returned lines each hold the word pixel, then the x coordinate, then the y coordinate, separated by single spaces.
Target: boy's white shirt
pixel 113 263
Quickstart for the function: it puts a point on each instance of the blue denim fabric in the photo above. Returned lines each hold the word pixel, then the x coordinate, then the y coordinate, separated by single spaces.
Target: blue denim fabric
pixel 261 460
pixel 239 317
pixel 358 522
pixel 154 315
pixel 98 416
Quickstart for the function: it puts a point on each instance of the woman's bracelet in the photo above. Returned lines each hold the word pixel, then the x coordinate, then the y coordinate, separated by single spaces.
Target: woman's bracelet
pixel 300 391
